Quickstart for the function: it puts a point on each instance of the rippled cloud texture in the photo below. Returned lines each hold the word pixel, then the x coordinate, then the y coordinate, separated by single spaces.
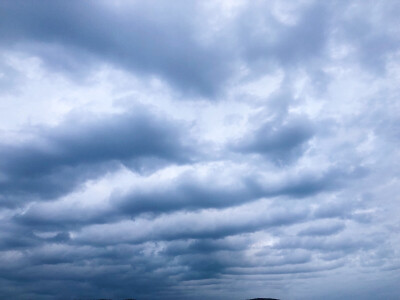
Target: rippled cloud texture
pixel 199 149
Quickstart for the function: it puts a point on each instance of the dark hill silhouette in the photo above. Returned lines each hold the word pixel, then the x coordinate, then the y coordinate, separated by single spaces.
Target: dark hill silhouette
pixel 263 299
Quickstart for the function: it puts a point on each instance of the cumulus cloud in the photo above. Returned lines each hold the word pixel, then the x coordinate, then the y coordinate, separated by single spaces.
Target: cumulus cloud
pixel 199 150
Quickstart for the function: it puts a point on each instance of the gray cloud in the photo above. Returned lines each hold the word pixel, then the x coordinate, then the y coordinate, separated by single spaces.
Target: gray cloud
pixel 59 158
pixel 289 45
pixel 199 150
pixel 373 42
pixel 323 229
pixel 188 193
pixel 279 142
pixel 131 38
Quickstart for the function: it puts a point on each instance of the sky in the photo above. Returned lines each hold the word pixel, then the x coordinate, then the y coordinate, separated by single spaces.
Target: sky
pixel 199 149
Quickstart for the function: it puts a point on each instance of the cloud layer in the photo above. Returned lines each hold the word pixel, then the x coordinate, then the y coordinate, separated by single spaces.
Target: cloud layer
pixel 199 150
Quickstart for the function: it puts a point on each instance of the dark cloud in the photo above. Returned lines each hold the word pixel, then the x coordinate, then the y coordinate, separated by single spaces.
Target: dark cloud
pixel 140 37
pixel 78 141
pixel 189 225
pixel 280 142
pixel 73 36
pixel 188 193
pixel 69 35
pixel 191 194
pixel 17 237
pixel 57 159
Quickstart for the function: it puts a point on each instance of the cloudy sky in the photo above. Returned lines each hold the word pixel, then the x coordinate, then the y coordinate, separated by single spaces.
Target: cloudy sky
pixel 199 149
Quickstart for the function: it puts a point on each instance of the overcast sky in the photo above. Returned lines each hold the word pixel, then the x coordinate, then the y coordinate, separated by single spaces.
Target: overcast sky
pixel 199 149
